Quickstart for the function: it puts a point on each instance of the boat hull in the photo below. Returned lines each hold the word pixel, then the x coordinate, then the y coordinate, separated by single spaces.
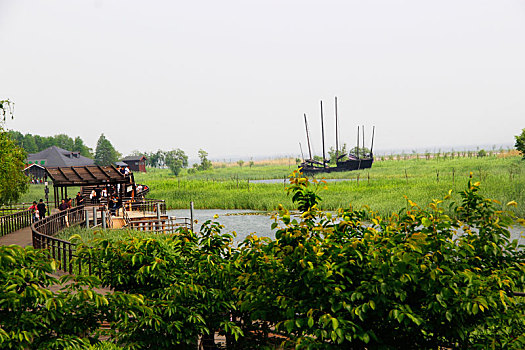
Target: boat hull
pixel 347 165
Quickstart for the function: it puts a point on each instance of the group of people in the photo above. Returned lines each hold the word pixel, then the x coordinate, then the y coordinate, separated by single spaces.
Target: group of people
pixel 35 180
pixel 123 170
pixel 110 194
pixel 102 193
pixel 114 204
pixel 65 204
pixel 38 211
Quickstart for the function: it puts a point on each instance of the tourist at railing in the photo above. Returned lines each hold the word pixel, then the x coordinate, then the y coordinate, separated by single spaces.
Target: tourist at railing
pixel 63 205
pixel 79 199
pixel 41 207
pixel 93 196
pixel 34 212
pixel 98 193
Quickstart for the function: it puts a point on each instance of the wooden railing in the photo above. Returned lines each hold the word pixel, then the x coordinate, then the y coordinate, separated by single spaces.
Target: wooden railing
pixel 170 225
pixel 62 251
pixel 145 205
pixel 11 222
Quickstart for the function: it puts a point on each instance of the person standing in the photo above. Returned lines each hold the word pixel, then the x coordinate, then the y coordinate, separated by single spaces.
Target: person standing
pixel 79 199
pixel 63 205
pixel 41 206
pixel 34 211
pixel 98 192
pixel 93 196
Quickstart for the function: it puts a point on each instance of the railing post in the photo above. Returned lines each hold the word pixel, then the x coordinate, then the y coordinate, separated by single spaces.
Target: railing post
pixel 94 216
pixel 191 215
pixel 158 212
pixel 103 212
pixel 86 217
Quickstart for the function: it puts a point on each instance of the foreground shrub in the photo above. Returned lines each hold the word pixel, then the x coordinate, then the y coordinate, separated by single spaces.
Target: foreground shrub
pixel 32 316
pixel 418 279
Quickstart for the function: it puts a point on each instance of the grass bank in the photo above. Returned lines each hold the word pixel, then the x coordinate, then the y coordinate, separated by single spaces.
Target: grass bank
pixel 382 187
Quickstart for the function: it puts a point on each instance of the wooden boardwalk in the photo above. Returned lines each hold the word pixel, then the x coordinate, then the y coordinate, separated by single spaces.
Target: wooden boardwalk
pixel 21 237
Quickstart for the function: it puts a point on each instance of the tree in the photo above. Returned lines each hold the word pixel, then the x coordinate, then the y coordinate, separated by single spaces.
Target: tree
pixel 13 182
pixel 520 143
pixel 105 153
pixel 342 153
pixel 79 146
pixel 205 163
pixel 64 141
pixel 363 151
pixel 156 159
pixel 7 109
pixel 240 162
pixel 176 160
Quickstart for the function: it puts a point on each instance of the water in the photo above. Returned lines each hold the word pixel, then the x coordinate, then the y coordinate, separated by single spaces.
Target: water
pixel 244 222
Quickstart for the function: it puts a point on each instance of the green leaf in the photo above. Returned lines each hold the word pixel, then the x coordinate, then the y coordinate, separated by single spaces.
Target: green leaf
pixel 426 222
pixel 335 323
pixel 448 315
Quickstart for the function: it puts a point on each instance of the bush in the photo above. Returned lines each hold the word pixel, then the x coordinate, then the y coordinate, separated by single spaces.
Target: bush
pixel 418 279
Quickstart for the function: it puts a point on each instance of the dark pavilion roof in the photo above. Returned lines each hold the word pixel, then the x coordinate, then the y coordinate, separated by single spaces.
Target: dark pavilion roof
pixel 86 175
pixel 56 157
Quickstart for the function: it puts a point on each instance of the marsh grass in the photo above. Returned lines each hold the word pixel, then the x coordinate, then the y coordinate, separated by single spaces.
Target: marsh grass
pixel 35 192
pixel 79 234
pixel 382 187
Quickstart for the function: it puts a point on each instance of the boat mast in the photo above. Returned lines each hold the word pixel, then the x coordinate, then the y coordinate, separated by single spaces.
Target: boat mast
pixel 372 146
pixel 363 131
pixel 357 148
pixel 322 132
pixel 336 133
pixel 308 136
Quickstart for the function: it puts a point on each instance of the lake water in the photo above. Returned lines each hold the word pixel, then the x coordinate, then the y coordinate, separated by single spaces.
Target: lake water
pixel 245 222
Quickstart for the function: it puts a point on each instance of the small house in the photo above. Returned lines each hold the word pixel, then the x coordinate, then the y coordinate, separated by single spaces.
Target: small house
pixel 135 163
pixel 35 172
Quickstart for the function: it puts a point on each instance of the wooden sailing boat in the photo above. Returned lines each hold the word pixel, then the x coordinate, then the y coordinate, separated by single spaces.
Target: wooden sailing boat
pixel 355 161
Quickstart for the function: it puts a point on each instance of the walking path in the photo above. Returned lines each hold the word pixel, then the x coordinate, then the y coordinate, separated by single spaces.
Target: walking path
pixel 21 237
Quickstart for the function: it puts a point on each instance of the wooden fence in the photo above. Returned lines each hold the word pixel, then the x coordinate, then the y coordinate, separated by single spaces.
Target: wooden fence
pixel 62 251
pixel 12 221
pixel 170 225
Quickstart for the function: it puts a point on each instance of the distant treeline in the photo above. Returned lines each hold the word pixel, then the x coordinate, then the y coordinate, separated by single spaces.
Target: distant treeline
pixel 37 143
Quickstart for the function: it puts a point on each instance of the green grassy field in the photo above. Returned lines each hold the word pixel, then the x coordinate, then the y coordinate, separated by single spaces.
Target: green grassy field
pixel 36 192
pixel 382 187
pixel 86 235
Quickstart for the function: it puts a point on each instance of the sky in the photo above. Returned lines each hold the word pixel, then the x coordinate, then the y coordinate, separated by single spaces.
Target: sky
pixel 235 77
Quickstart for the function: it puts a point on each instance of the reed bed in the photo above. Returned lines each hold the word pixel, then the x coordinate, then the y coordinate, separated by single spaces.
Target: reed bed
pixel 382 187
pixel 79 234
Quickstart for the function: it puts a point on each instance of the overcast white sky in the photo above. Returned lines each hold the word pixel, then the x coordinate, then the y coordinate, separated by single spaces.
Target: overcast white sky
pixel 235 77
